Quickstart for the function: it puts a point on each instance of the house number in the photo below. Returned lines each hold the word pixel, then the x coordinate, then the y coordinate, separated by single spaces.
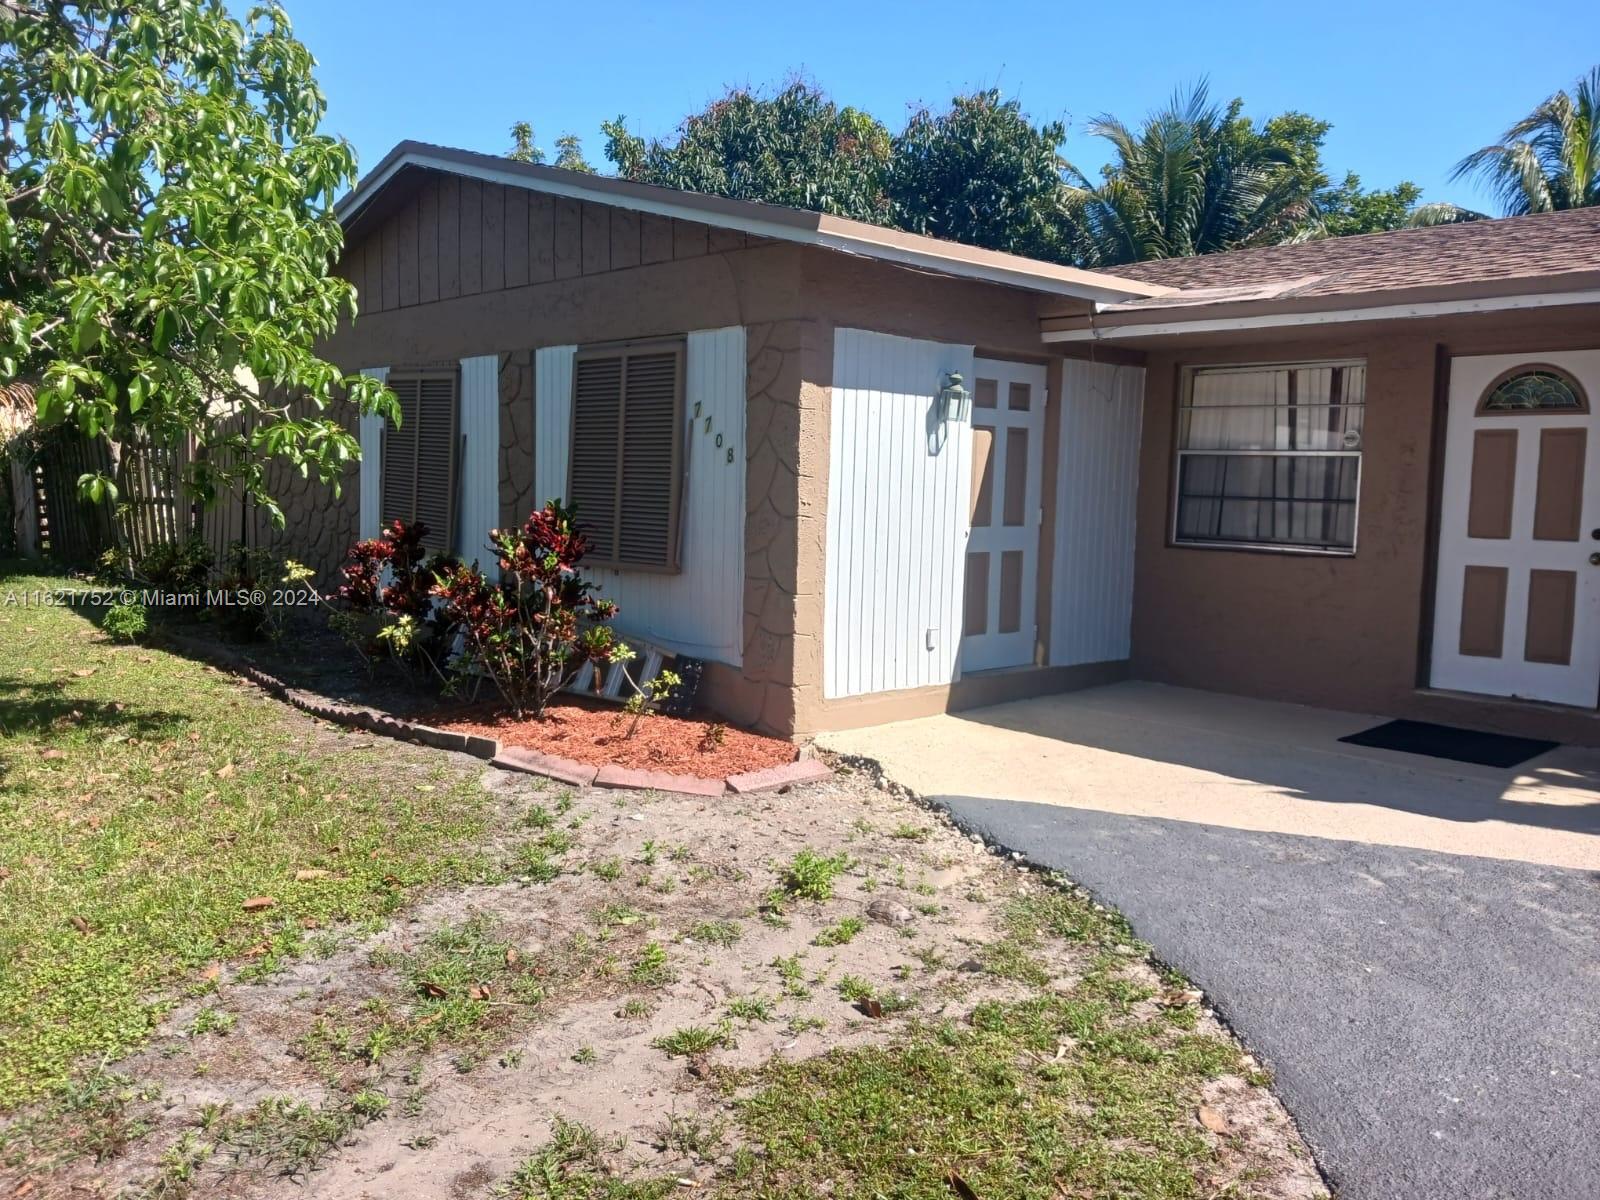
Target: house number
pixel 706 428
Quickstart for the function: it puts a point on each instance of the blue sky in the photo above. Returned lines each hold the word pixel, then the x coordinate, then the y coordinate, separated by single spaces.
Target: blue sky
pixel 1409 88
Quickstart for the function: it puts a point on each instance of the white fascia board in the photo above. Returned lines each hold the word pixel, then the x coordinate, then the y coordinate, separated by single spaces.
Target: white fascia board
pixel 776 230
pixel 1384 312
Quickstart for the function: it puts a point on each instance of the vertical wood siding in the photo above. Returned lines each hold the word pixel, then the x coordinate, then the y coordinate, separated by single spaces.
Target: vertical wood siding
pixel 454 237
pixel 371 434
pixel 478 478
pixel 1096 492
pixel 897 516
pixel 700 609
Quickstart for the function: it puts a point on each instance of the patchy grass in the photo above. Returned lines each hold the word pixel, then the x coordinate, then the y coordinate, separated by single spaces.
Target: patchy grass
pixel 144 800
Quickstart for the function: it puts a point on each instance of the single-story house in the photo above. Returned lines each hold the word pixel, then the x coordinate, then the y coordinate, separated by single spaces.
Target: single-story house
pixel 867 475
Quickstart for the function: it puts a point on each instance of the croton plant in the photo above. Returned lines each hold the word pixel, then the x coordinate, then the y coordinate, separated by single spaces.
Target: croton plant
pixel 535 630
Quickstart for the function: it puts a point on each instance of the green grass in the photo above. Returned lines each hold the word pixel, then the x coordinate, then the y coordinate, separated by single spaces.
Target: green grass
pixel 143 800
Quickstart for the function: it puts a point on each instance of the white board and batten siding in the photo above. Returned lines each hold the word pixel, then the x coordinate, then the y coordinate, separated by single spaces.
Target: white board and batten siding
pixel 477 474
pixel 1097 485
pixel 899 484
pixel 700 609
pixel 371 433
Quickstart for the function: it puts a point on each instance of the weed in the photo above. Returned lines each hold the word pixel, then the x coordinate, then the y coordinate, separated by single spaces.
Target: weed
pixel 717 933
pixel 695 1039
pixel 687 1134
pixel 855 989
pixel 751 1008
pixel 651 969
pixel 811 876
pixel 840 934
pixel 212 1020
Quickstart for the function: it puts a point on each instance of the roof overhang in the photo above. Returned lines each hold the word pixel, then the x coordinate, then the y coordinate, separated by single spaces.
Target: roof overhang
pixel 1108 324
pixel 762 220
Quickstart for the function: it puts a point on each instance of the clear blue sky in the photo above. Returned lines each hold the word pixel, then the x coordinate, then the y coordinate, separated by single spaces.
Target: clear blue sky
pixel 1410 88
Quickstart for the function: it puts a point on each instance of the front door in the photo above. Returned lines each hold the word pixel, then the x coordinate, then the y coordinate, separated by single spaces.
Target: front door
pixel 1517 608
pixel 998 625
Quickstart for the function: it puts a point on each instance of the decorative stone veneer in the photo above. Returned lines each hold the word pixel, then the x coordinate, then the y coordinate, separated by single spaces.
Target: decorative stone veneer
pixel 516 438
pixel 772 501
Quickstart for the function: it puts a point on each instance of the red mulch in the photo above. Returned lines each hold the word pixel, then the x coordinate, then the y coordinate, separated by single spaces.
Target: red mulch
pixel 592 731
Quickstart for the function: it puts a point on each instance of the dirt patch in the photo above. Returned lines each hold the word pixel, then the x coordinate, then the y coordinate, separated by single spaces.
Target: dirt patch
pixel 594 732
pixel 635 982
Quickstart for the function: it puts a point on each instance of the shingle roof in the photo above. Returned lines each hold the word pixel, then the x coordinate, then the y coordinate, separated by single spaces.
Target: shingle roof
pixel 1546 244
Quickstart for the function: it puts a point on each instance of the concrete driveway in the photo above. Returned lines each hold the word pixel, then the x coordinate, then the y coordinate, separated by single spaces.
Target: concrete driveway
pixel 1412 945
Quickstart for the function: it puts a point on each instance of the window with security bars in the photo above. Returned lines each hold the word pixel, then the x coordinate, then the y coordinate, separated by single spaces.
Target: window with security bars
pixel 626 467
pixel 1271 456
pixel 419 456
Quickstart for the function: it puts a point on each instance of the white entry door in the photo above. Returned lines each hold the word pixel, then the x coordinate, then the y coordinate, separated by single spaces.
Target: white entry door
pixel 1002 565
pixel 1517 608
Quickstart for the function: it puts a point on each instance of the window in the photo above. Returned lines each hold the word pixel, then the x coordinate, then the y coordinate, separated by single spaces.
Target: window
pixel 1534 388
pixel 626 468
pixel 419 457
pixel 1271 456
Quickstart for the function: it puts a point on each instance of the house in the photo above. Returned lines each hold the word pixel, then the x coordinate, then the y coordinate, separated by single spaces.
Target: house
pixel 866 475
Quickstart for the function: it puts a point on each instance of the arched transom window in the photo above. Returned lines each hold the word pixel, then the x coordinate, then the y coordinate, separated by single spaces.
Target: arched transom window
pixel 1534 388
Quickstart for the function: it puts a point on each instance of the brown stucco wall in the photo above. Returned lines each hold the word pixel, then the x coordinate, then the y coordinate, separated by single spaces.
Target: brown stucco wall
pixel 683 277
pixel 1345 632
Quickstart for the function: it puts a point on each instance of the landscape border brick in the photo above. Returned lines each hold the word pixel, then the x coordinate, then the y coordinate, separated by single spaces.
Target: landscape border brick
pixel 566 770
pixel 804 770
pixel 613 776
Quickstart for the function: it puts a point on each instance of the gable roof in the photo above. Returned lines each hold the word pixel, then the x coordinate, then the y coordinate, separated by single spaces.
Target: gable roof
pixel 1541 246
pixel 764 220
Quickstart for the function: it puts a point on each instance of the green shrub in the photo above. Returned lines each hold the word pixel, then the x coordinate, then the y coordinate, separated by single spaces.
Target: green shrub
pixel 182 566
pixel 126 622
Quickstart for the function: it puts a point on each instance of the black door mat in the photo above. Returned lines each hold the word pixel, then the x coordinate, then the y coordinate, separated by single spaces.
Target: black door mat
pixel 1446 741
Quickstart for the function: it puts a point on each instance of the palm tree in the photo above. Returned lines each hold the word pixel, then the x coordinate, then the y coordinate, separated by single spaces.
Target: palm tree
pixel 1195 178
pixel 1548 161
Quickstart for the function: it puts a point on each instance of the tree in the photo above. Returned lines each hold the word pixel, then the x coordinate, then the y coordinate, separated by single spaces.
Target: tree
pixel 1348 208
pixel 522 147
pixel 983 174
pixel 168 235
pixel 1548 161
pixel 569 149
pixel 1197 178
pixel 569 154
pixel 796 148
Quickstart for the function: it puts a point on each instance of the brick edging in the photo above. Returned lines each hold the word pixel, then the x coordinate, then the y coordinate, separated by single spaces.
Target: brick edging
pixel 805 769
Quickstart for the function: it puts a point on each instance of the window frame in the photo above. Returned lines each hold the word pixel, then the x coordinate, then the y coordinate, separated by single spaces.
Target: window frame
pixel 679 467
pixel 1482 409
pixel 451 372
pixel 1184 405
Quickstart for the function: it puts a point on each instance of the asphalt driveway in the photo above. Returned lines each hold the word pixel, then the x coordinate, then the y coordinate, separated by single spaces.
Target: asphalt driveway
pixel 1432 1020
pixel 1412 946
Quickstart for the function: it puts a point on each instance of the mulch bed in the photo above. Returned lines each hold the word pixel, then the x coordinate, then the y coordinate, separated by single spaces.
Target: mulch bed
pixel 594 732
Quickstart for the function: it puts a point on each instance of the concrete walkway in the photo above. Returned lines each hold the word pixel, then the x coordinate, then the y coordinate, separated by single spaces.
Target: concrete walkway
pixel 1412 945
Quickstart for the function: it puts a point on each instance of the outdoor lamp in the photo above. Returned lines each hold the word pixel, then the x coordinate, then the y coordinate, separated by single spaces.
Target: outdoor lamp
pixel 955 401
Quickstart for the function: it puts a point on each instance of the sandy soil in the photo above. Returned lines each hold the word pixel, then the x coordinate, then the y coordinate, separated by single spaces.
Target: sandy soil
pixel 583 1053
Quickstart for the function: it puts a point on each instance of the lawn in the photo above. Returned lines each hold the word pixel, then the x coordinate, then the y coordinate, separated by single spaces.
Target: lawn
pixel 244 953
pixel 158 820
